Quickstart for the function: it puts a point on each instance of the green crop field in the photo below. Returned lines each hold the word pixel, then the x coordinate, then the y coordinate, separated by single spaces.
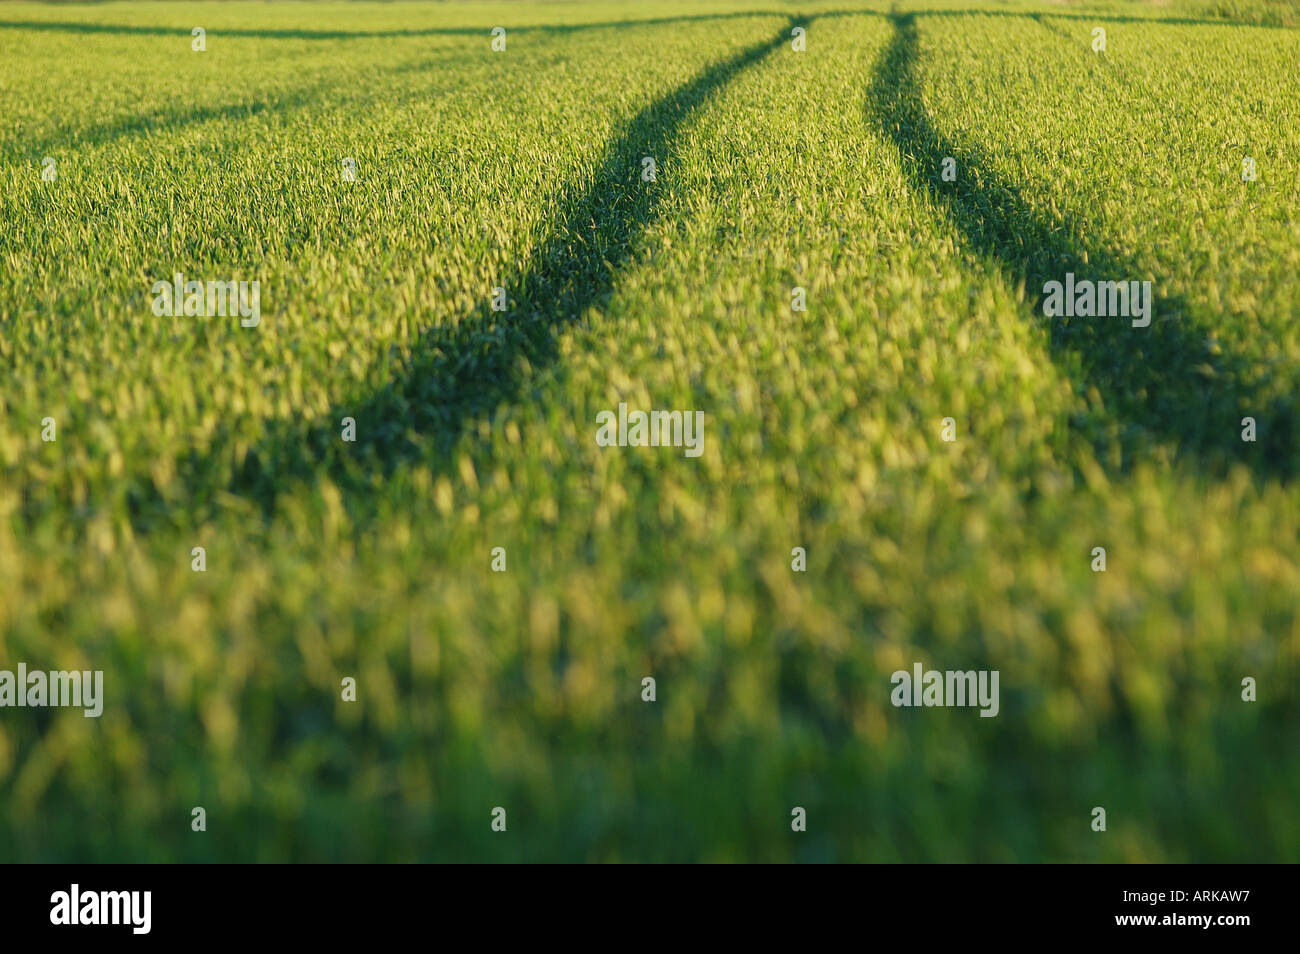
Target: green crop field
pixel 427 589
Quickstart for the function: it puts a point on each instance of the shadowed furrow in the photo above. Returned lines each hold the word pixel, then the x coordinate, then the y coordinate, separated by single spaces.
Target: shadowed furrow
pixel 1165 380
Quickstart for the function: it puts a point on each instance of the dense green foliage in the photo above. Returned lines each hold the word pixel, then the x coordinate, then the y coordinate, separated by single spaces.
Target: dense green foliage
pixel 476 429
